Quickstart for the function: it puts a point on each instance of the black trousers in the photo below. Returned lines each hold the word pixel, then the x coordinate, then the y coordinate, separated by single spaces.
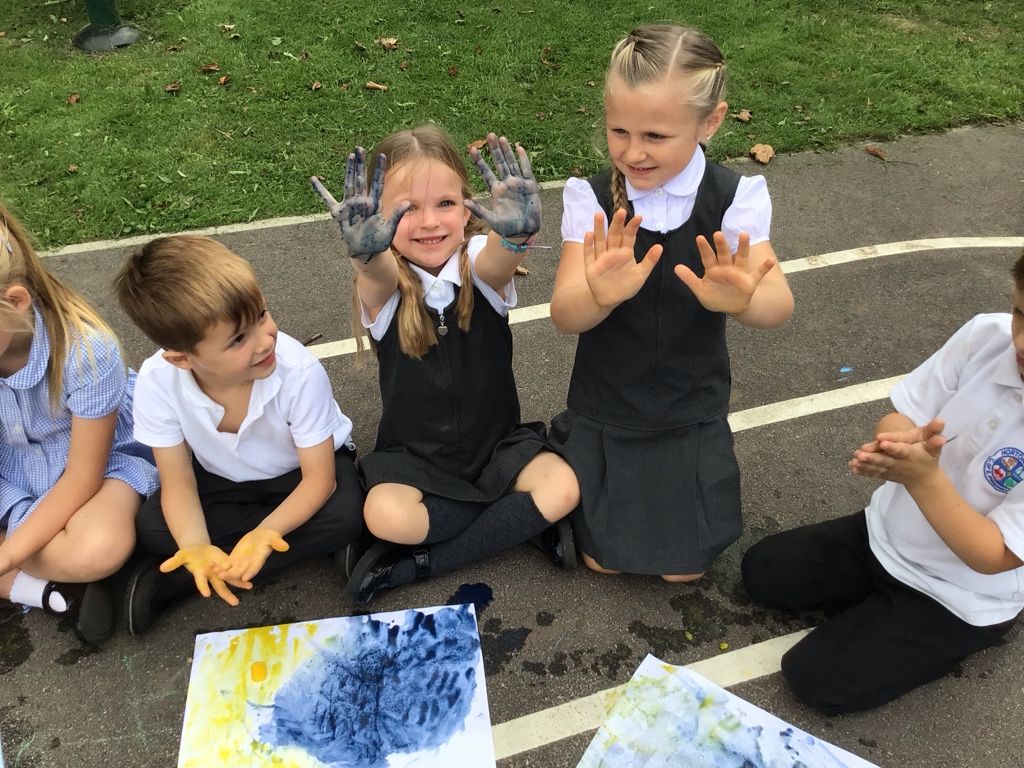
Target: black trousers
pixel 233 509
pixel 888 639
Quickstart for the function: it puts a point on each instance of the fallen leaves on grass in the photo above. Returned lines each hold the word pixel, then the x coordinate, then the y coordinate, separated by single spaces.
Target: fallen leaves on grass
pixel 315 86
pixel 173 87
pixel 72 168
pixel 207 69
pixel 387 43
pixel 403 65
pixel 223 80
pixel 225 28
pixel 744 115
pixel 547 59
pixel 874 151
pixel 73 98
pixel 453 71
pixel 174 48
pixel 372 86
pixel 359 46
pixel 478 50
pixel 762 153
pixel 477 145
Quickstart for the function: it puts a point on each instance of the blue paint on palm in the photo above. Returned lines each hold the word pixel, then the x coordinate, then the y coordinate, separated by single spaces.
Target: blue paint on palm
pixel 393 689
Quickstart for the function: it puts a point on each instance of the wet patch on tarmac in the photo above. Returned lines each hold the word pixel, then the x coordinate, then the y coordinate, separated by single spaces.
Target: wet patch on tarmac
pixel 72 656
pixel 479 594
pixel 500 645
pixel 15 644
pixel 545 619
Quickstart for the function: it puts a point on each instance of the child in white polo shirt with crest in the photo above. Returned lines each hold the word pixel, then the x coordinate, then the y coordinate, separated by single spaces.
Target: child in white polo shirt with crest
pixel 931 571
pixel 254 455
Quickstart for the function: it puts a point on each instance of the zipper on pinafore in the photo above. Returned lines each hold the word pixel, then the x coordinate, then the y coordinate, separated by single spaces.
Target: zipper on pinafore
pixel 442 329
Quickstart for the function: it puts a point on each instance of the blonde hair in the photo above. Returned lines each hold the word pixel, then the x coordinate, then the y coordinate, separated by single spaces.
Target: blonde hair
pixel 652 53
pixel 71 322
pixel 416 331
pixel 175 288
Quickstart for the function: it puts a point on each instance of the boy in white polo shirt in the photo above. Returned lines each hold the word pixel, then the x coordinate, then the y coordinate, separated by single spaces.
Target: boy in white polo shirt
pixel 931 571
pixel 254 455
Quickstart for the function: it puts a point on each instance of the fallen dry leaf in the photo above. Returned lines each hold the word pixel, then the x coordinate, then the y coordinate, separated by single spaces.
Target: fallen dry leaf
pixel 372 86
pixel 478 50
pixel 173 48
pixel 250 89
pixel 762 153
pixel 208 68
pixel 226 28
pixel 173 87
pixel 359 46
pixel 591 83
pixel 387 43
pixel 521 270
pixel 403 65
pixel 545 58
pixel 3 34
pixel 581 110
pixel 315 86
pixel 344 86
pixel 477 145
pixel 874 151
pixel 744 115
pixel 541 115
pixel 453 71
pixel 72 168
pixel 223 80
pixel 73 98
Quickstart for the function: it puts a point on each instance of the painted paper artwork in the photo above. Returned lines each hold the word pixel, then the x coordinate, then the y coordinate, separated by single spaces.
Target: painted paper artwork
pixel 380 691
pixel 668 717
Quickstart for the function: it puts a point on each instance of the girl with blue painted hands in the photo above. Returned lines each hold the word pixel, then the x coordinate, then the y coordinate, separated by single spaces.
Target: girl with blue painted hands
pixel 454 476
pixel 72 478
pixel 646 427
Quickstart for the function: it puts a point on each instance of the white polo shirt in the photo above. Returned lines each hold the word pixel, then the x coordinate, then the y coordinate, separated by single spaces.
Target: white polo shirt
pixel 973 384
pixel 292 408
pixel 439 290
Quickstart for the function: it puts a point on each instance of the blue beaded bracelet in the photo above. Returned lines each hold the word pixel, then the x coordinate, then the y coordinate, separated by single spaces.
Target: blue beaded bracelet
pixel 518 247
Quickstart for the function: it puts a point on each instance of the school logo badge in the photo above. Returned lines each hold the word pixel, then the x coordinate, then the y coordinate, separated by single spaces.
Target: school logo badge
pixel 1004 469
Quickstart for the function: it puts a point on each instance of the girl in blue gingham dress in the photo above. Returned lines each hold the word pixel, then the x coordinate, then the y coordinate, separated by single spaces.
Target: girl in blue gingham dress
pixel 71 476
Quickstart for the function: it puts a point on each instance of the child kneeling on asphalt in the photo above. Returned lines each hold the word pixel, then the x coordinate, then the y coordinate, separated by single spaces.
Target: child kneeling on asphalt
pixel 270 480
pixel 930 572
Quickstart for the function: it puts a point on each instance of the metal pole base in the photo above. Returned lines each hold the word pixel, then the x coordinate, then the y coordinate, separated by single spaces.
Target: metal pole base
pixel 94 39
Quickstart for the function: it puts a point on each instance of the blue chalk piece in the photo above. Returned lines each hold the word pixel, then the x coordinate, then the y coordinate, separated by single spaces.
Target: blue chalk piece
pixel 388 692
pixel 479 594
pixel 846 369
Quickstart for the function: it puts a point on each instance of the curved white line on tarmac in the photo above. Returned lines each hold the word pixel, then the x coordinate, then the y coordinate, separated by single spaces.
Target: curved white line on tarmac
pixel 835 258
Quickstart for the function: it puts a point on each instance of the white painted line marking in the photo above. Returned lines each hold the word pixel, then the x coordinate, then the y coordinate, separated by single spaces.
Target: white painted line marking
pixel 587 713
pixel 812 404
pixel 835 258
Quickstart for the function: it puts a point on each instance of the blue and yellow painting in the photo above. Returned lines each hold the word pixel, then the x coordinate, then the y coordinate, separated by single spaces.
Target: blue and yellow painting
pixel 668 717
pixel 380 691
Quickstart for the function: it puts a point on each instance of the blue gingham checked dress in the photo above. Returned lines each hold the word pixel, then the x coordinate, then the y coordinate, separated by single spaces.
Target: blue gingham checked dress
pixel 35 441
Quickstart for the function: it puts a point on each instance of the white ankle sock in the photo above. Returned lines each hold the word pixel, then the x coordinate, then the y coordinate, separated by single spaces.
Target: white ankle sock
pixel 28 590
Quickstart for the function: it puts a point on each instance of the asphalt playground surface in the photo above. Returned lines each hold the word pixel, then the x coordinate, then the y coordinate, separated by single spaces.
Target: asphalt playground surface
pixel 550 637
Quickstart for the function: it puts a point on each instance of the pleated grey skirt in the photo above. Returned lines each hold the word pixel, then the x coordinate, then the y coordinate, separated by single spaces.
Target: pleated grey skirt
pixel 653 501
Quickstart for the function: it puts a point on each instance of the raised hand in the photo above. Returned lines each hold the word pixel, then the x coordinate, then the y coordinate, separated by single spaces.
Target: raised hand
pixel 514 191
pixel 250 553
pixel 727 285
pixel 365 231
pixel 612 271
pixel 901 456
pixel 203 562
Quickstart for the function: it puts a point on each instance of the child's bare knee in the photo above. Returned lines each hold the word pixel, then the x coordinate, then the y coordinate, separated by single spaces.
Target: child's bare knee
pixel 674 578
pixel 593 565
pixel 98 553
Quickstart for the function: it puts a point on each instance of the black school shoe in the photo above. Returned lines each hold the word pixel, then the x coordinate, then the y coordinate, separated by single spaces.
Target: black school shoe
pixel 558 543
pixel 150 592
pixel 373 573
pixel 89 610
pixel 346 558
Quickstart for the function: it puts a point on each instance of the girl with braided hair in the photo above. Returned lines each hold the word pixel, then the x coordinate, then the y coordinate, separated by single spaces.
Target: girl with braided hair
pixel 646 427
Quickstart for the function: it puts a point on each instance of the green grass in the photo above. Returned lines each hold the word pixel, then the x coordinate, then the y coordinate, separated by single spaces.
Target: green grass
pixel 814 74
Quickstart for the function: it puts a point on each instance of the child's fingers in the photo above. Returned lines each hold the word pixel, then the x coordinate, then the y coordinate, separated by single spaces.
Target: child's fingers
pixel 222 591
pixel 723 252
pixel 278 544
pixel 599 234
pixel 510 157
pixel 201 583
pixel 398 213
pixel 690 279
pixel 377 186
pixel 933 427
pixel 616 228
pixel 524 162
pixel 589 257
pixel 742 256
pixel 498 156
pixel 350 174
pixel 763 270
pixel 483 168
pixel 359 173
pixel 172 563
pixel 321 190
pixel 708 256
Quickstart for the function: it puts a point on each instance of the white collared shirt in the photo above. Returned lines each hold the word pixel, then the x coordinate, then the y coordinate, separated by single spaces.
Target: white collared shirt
pixel 669 206
pixel 439 290
pixel 292 408
pixel 973 384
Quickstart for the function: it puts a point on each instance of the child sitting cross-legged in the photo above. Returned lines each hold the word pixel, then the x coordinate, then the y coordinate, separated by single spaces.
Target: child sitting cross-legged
pixel 270 479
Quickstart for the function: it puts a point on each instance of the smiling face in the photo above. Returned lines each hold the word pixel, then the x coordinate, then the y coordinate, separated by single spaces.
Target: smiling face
pixel 652 131
pixel 435 224
pixel 230 356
